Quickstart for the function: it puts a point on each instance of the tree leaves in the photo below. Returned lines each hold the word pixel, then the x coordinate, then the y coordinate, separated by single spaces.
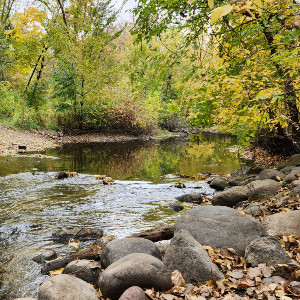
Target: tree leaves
pixel 220 12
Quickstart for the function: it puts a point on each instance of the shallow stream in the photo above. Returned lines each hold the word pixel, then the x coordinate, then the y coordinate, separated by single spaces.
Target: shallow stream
pixel 33 204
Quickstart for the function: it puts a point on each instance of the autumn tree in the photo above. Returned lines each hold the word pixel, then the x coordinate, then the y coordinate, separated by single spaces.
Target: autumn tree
pixel 250 70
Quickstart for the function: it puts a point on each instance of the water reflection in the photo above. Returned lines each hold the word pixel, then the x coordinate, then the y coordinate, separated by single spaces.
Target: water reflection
pixel 33 204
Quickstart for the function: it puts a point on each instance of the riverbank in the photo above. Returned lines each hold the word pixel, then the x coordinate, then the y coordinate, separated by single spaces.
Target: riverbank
pixel 13 141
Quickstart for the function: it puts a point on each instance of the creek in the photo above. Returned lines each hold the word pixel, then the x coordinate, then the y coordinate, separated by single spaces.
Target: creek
pixel 33 204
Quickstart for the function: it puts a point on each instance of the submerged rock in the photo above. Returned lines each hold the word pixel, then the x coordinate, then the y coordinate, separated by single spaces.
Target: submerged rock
pixel 82 234
pixel 176 207
pixel 219 226
pixel 47 255
pixel 186 255
pixel 137 269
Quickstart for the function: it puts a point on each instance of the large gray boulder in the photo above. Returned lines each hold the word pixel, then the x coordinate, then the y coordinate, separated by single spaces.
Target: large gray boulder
pixel 119 248
pixel 191 259
pixel 285 223
pixel 219 226
pixel 219 183
pixel 66 287
pixel 266 250
pixel 270 174
pixel 136 269
pixel 231 196
pixel 263 189
pixel 134 293
pixel 84 269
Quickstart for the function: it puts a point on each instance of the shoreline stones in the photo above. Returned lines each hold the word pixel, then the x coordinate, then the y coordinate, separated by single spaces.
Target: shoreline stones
pixel 66 287
pixel 136 269
pixel 186 255
pixel 82 234
pixel 119 248
pixel 220 226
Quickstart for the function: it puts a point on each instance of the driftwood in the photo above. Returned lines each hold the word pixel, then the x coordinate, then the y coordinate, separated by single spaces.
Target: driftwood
pixel 91 253
pixel 160 232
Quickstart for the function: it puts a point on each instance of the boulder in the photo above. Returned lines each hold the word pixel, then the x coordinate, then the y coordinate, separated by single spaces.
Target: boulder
pixel 219 226
pixel 66 287
pixel 294 160
pixel 295 191
pixel 134 293
pixel 263 189
pixel 219 183
pixel 294 175
pixel 270 174
pixel 231 196
pixel 86 270
pixel 191 259
pixel 194 198
pixel 289 169
pixel 241 180
pixel 47 255
pixel 266 250
pixel 82 234
pixel 285 223
pixel 119 248
pixel 295 183
pixel 162 248
pixel 176 207
pixel 136 269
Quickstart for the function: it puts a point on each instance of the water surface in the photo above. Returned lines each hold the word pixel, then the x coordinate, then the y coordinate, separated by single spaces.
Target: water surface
pixel 33 204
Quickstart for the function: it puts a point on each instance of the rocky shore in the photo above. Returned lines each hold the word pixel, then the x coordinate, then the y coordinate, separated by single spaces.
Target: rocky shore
pixel 243 244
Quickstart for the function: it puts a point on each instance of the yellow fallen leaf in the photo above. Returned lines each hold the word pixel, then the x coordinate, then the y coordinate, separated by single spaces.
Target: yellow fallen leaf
pixel 56 272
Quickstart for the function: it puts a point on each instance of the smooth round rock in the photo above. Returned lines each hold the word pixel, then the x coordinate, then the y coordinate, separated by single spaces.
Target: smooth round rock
pixel 119 248
pixel 66 287
pixel 136 269
pixel 219 226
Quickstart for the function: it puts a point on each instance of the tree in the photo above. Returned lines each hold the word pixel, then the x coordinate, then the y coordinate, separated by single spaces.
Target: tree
pixel 251 67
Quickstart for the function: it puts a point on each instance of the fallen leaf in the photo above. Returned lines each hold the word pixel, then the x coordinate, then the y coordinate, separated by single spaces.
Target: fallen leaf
pixel 56 272
pixel 177 278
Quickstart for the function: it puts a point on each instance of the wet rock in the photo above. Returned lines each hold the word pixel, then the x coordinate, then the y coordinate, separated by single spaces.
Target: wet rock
pixel 82 234
pixel 66 287
pixel 22 147
pixel 61 175
pixel 295 191
pixel 119 248
pixel 134 293
pixel 219 183
pixel 194 198
pixel 266 250
pixel 231 196
pixel 191 259
pixel 219 226
pixel 294 175
pixel 285 223
pixel 263 189
pixel 86 270
pixel 176 207
pixel 137 269
pixel 270 174
pixel 47 255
